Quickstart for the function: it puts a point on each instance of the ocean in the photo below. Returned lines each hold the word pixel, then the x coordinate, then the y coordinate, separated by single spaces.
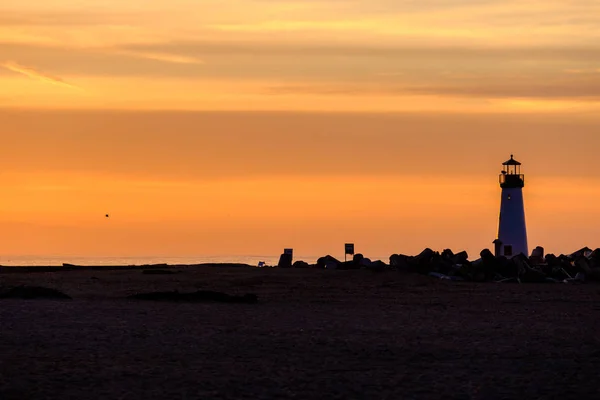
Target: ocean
pixel 99 261
pixel 270 260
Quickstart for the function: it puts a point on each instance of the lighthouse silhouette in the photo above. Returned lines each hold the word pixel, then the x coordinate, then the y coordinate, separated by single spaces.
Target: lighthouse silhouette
pixel 512 230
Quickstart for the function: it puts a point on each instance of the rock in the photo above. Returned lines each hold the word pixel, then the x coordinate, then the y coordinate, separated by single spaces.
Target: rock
pixel 196 297
pixel 595 258
pixel 487 255
pixel 301 264
pixel 425 262
pixel 332 265
pixel 489 265
pixel 399 261
pixel 448 254
pixel 585 252
pixel 526 273
pixel 357 258
pixel 365 262
pixel 583 265
pixel 505 268
pixel 551 260
pixel 285 261
pixel 537 256
pixel 32 292
pixel 460 258
pixel 346 265
pixel 377 266
pixel 328 262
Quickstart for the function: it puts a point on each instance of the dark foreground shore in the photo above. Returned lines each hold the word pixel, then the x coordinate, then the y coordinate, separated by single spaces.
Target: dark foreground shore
pixel 313 334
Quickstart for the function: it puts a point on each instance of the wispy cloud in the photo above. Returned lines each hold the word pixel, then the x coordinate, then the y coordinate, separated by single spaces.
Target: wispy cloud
pixel 35 74
pixel 160 56
pixel 583 71
pixel 584 90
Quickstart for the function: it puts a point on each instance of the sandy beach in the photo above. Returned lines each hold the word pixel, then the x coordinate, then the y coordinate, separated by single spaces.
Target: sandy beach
pixel 313 334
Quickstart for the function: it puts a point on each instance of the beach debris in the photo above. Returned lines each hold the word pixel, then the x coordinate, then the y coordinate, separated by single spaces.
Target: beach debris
pixel 196 297
pixel 32 292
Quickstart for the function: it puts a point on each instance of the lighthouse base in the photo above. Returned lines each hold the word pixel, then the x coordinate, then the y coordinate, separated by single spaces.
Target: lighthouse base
pixel 512 230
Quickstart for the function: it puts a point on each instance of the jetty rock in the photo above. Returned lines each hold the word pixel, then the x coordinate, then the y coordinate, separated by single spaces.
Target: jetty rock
pixel 399 261
pixel 328 262
pixel 301 264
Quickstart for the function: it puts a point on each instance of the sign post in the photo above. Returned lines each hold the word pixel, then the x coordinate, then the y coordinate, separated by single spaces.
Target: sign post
pixel 348 249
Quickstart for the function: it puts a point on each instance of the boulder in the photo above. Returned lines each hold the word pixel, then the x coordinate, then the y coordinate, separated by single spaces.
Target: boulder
pixel 301 264
pixel 400 262
pixel 460 258
pixel 365 262
pixel 328 262
pixel 347 265
pixel 377 266
pixel 537 256
pixel 448 254
pixel 595 258
pixel 425 262
pixel 526 273
pixel 583 266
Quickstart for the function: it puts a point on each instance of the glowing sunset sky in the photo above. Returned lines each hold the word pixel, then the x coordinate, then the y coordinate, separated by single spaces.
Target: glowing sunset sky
pixel 245 126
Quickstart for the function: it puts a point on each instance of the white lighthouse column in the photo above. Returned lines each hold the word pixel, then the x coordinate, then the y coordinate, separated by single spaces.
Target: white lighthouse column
pixel 512 228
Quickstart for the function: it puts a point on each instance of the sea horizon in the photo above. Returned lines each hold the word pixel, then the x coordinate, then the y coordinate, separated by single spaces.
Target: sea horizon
pixel 58 260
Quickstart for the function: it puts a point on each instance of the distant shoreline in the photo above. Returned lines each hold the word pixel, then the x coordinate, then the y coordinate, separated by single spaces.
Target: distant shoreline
pixel 72 267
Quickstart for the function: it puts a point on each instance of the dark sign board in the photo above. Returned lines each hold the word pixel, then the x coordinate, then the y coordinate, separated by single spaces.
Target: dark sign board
pixel 288 251
pixel 350 248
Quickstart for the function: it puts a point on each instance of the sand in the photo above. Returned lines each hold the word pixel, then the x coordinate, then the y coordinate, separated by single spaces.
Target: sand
pixel 314 334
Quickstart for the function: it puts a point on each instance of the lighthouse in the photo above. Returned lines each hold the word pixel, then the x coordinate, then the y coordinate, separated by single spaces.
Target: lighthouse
pixel 512 230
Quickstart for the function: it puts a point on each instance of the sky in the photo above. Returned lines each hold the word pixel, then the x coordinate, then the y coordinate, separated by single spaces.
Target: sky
pixel 206 127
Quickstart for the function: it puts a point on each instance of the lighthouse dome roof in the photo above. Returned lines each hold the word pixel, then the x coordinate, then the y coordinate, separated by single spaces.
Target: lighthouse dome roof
pixel 512 161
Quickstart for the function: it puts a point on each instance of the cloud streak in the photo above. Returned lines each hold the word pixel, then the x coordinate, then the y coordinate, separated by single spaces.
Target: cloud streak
pixel 34 74
pixel 584 90
pixel 160 56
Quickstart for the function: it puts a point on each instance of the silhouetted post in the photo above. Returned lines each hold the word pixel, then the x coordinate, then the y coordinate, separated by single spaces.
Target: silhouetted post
pixel 286 259
pixel 348 249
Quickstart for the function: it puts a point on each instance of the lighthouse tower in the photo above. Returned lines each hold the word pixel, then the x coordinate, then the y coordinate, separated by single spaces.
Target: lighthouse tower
pixel 512 231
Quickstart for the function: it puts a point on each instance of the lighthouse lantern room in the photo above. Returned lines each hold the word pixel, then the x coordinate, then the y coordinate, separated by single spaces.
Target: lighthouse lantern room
pixel 512 230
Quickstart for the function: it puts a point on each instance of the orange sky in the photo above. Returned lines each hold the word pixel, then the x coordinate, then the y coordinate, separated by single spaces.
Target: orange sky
pixel 242 127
